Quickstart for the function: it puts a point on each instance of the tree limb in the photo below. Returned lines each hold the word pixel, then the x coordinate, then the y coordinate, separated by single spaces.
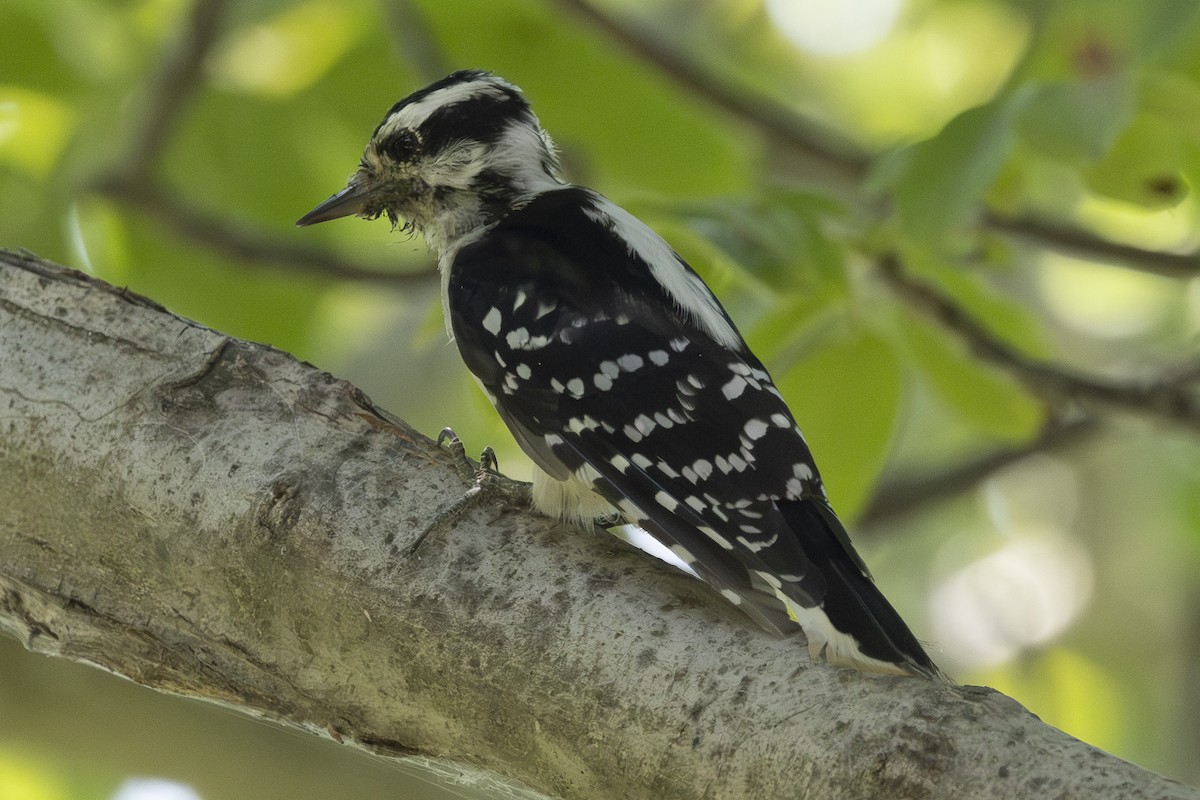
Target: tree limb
pixel 1171 396
pixel 841 160
pixel 212 518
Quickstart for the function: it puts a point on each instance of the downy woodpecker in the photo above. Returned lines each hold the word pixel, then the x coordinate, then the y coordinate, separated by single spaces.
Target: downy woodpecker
pixel 617 370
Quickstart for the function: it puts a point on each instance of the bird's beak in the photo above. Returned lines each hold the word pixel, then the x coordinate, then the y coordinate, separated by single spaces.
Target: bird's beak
pixel 348 201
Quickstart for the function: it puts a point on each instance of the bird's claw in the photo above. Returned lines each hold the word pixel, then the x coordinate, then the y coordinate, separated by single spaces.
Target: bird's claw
pixel 480 478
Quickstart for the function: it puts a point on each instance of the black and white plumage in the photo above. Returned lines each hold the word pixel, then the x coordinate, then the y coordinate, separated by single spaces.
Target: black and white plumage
pixel 617 370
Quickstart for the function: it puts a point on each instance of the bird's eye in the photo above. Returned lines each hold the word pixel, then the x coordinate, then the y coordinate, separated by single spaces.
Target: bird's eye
pixel 401 147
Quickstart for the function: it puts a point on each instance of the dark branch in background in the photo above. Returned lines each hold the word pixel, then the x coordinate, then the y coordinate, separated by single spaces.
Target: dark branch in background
pixel 798 132
pixel 222 236
pixel 848 162
pixel 413 40
pixel 1073 241
pixel 173 85
pixel 1171 396
pixel 895 498
pixel 132 183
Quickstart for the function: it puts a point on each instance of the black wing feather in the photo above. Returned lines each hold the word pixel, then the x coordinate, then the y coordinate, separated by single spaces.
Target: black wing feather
pixel 599 375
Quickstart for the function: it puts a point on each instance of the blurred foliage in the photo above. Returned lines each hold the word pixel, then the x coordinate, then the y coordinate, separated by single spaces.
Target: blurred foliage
pixel 1081 115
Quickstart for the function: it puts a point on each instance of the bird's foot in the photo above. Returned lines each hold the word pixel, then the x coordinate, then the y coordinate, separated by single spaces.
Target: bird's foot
pixel 481 479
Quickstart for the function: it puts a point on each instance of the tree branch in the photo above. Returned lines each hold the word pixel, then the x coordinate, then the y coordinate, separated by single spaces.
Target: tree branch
pixel 1172 396
pixel 243 243
pixel 171 87
pixel 213 518
pixel 904 495
pixel 1082 244
pixel 842 160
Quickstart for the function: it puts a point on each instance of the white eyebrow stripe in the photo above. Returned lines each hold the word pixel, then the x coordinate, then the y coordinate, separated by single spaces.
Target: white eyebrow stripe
pixel 415 114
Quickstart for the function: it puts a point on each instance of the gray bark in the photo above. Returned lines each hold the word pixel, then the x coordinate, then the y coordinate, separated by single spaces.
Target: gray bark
pixel 213 518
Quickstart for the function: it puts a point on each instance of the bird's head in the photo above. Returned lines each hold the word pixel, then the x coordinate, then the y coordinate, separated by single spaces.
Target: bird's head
pixel 449 158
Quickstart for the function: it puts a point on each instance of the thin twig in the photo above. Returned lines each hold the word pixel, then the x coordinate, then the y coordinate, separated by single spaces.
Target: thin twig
pixel 845 160
pixel 795 130
pixel 1074 241
pixel 173 85
pixel 414 40
pixel 243 243
pixel 1171 395
pixel 894 498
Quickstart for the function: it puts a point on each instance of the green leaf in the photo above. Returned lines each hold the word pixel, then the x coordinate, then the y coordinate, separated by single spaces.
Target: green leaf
pixel 630 126
pixel 941 180
pixel 984 397
pixel 1143 167
pixel 1077 122
pixel 846 396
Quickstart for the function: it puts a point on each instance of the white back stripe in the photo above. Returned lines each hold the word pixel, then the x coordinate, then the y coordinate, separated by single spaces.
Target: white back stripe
pixel 684 287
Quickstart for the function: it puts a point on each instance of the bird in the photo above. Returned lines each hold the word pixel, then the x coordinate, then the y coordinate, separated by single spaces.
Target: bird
pixel 617 370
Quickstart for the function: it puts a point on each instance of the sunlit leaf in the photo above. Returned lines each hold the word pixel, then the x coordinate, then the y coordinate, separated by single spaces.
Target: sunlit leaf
pixel 1143 166
pixel 25 779
pixel 941 180
pixel 34 129
pixel 1077 122
pixel 291 51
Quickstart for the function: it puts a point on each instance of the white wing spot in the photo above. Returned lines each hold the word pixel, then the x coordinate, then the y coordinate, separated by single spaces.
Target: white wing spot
pixel 491 321
pixel 755 428
pixel 630 362
pixel 644 424
pixel 641 461
pixel 517 339
pixel 781 420
pixel 666 501
pixel 693 501
pixel 610 368
pixel 520 300
pixel 620 462
pixel 545 307
pixel 732 596
pixel 754 545
pixel 633 433
pixel 734 388
pixel 679 344
pixel 557 385
pixel 771 580
pixel 658 357
pixel 602 381
pixel 667 469
pixel 575 387
pixel 716 537
pixel 524 371
pixel 663 420
pixel 703 468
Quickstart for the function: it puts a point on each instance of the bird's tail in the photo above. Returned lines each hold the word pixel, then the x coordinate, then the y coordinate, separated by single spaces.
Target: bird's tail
pixel 854 624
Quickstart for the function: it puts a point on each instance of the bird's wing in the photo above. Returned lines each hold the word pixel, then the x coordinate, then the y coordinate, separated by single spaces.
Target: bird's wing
pixel 687 437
